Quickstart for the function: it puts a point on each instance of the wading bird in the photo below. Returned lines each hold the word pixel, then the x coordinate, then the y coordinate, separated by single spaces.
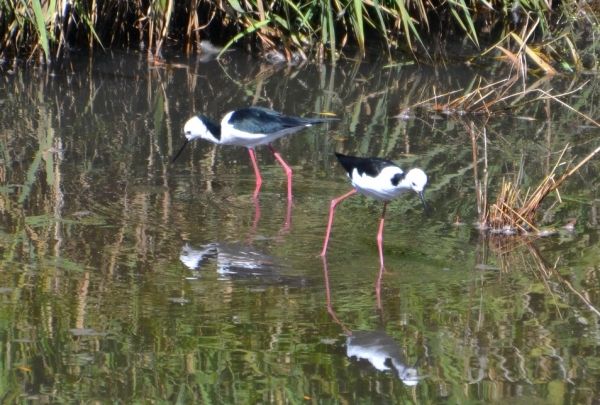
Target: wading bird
pixel 380 179
pixel 249 127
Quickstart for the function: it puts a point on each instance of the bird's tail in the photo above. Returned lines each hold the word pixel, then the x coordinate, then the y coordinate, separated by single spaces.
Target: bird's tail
pixel 321 120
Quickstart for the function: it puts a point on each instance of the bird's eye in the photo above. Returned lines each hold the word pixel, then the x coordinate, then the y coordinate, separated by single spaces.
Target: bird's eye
pixel 414 184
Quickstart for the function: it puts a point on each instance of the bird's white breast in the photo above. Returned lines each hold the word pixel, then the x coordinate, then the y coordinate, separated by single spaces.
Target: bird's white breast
pixel 380 187
pixel 373 354
pixel 232 136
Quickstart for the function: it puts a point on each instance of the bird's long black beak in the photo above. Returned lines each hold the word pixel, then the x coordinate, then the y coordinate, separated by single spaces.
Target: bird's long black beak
pixel 183 146
pixel 424 204
pixel 418 361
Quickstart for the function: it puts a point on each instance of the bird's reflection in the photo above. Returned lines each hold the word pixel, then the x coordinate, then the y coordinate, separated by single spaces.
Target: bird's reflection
pixel 383 353
pixel 257 213
pixel 375 346
pixel 239 262
pixel 208 51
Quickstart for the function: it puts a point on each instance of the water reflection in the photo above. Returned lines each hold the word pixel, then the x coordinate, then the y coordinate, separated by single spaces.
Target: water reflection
pixel 239 262
pixel 91 239
pixel 257 213
pixel 381 350
pixel 376 346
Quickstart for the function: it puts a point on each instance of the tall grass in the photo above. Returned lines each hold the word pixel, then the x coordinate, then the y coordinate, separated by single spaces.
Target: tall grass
pixel 47 29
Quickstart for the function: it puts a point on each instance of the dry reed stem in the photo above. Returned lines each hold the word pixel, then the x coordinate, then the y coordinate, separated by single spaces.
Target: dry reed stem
pixel 504 212
pixel 473 101
pixel 564 176
pixel 522 219
pixel 566 105
pixel 548 271
pixel 585 300
pixel 508 217
pixel 506 255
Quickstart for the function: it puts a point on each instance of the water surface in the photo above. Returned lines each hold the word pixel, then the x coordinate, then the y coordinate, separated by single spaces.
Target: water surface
pixel 129 279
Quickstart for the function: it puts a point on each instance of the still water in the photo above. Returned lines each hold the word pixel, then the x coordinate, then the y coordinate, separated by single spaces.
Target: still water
pixel 128 279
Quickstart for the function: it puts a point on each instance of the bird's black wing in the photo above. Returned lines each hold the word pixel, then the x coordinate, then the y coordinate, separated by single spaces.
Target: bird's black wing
pixel 370 166
pixel 259 120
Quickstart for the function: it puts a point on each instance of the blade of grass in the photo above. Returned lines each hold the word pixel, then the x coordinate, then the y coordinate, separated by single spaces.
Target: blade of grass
pixel 40 24
pixel 304 18
pixel 330 31
pixel 470 31
pixel 407 23
pixel 256 25
pixel 534 56
pixel 357 25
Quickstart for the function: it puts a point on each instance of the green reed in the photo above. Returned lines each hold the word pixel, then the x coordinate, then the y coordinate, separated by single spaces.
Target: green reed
pixel 47 29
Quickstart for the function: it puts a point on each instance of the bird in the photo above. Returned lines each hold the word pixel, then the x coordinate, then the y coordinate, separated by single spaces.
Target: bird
pixel 236 261
pixel 249 127
pixel 381 179
pixel 376 346
pixel 379 349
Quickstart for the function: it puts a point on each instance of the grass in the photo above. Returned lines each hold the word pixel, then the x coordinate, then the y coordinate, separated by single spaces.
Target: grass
pixel 512 211
pixel 528 30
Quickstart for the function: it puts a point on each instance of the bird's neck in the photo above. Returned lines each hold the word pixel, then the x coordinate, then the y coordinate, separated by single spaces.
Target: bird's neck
pixel 213 130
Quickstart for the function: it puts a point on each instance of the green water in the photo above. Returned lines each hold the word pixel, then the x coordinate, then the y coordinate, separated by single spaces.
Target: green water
pixel 121 282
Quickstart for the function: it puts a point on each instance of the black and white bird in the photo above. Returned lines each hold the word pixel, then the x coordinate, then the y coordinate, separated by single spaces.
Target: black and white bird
pixel 383 353
pixel 235 261
pixel 249 127
pixel 381 179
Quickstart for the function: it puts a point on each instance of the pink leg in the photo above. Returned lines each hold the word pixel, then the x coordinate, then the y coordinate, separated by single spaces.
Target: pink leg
pixel 287 169
pixel 328 292
pixel 256 172
pixel 288 218
pixel 378 287
pixel 333 204
pixel 252 232
pixel 380 235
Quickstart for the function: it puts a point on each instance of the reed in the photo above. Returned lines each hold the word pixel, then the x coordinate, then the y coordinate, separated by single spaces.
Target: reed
pixel 323 28
pixel 512 211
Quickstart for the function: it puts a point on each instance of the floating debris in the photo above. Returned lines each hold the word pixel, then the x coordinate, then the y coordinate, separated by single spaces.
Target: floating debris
pixel 405 114
pixel 275 57
pixel 571 225
pixel 487 268
pixel 508 230
pixel 178 300
pixel 86 332
pixel 545 233
pixel 457 222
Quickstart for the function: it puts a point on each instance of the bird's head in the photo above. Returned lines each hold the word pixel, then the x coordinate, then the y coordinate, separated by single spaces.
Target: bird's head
pixel 416 179
pixel 202 127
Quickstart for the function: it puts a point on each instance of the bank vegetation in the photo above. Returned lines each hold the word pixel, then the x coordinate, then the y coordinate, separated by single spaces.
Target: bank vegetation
pixel 552 34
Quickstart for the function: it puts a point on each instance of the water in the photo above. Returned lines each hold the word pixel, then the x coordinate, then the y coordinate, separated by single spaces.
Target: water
pixel 125 278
